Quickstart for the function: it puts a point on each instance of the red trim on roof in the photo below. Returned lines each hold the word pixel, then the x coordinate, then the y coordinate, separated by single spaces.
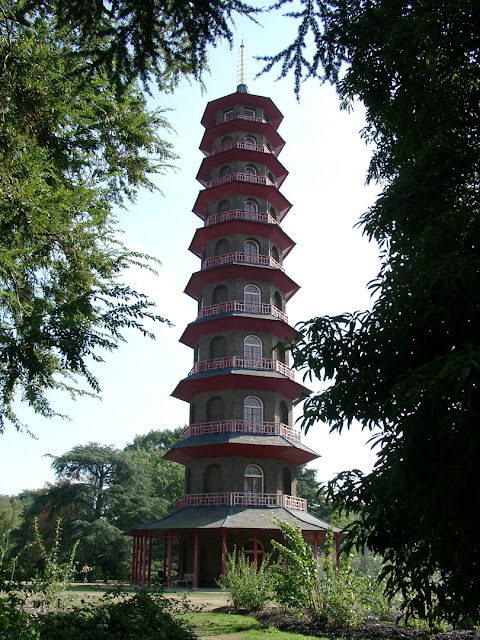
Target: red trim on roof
pixel 188 388
pixel 243 126
pixel 265 230
pixel 231 322
pixel 247 189
pixel 237 270
pixel 290 454
pixel 266 159
pixel 245 99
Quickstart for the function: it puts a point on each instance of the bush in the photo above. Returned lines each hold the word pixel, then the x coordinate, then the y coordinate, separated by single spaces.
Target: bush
pixel 248 586
pixel 144 616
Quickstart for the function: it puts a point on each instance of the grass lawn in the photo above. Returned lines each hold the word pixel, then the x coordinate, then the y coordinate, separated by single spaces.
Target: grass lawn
pixel 207 623
pixel 226 626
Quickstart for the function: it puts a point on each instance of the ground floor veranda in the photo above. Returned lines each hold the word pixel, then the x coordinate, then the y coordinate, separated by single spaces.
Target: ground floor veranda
pixel 197 556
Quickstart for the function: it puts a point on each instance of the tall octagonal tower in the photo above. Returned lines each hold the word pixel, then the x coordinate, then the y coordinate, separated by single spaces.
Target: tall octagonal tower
pixel 240 450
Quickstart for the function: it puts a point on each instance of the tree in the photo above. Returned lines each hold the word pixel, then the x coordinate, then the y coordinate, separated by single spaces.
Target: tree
pixel 69 150
pixel 309 488
pixel 408 368
pixel 10 513
pixel 93 467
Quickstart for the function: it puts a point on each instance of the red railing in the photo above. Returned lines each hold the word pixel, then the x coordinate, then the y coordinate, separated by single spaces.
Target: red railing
pixel 240 499
pixel 239 117
pixel 241 426
pixel 241 307
pixel 242 177
pixel 262 148
pixel 240 214
pixel 240 256
pixel 242 362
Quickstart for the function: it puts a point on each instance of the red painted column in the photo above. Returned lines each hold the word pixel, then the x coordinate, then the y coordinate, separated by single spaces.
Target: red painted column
pixel 165 556
pixel 224 552
pixel 169 574
pixel 195 562
pixel 179 563
pixel 149 558
pixel 144 558
pixel 132 571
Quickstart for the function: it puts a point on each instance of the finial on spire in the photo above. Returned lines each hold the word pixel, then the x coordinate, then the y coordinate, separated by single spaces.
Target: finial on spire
pixel 241 71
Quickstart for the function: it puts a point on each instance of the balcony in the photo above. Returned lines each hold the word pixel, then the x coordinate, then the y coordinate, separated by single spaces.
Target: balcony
pixel 240 499
pixel 241 426
pixel 241 177
pixel 240 117
pixel 239 256
pixel 240 306
pixel 242 362
pixel 261 148
pixel 240 214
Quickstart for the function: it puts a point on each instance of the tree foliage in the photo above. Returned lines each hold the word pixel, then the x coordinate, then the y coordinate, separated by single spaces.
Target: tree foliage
pixel 409 368
pixel 100 493
pixel 70 148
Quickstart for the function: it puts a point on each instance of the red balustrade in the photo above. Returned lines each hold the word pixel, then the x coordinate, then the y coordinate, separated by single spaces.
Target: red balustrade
pixel 241 307
pixel 240 214
pixel 242 177
pixel 240 256
pixel 240 499
pixel 231 116
pixel 262 148
pixel 242 362
pixel 241 426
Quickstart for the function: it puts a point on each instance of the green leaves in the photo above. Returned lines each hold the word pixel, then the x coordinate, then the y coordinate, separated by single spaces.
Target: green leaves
pixel 408 369
pixel 70 148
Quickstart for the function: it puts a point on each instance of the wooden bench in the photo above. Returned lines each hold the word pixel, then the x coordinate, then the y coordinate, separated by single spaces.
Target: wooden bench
pixel 186 579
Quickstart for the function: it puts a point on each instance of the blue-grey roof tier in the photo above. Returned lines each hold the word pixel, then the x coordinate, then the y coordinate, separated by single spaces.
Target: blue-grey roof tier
pixel 191 518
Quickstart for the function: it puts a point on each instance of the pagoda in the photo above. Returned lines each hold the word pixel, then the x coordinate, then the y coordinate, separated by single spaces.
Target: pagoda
pixel 240 450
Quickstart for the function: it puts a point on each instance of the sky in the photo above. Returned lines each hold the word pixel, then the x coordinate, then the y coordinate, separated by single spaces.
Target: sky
pixel 332 261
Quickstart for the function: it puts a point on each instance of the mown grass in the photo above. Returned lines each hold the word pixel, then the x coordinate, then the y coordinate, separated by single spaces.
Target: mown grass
pixel 209 625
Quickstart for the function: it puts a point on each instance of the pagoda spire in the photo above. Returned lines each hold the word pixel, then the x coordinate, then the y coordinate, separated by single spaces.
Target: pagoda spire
pixel 241 71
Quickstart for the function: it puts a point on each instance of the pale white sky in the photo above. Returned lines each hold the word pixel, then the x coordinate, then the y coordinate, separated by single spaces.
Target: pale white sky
pixel 332 262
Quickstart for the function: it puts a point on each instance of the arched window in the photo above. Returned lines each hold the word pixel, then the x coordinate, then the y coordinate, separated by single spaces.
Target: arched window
pixel 252 483
pixel 277 300
pixel 273 213
pixel 251 298
pixel 275 253
pixel 226 170
pixel 192 413
pixel 220 294
pixel 251 251
pixel 212 479
pixel 222 247
pixel 271 177
pixel 226 140
pixel 215 409
pixel 286 482
pixel 188 481
pixel 223 205
pixel 283 412
pixel 250 171
pixel 252 413
pixel 252 350
pixel 218 347
pixel 250 141
pixel 250 206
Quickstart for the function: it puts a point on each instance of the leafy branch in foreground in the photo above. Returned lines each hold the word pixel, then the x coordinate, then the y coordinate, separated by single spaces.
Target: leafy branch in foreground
pixel 69 150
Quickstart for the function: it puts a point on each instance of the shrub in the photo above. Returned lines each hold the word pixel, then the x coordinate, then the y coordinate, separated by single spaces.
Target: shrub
pixel 295 576
pixel 144 616
pixel 248 586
